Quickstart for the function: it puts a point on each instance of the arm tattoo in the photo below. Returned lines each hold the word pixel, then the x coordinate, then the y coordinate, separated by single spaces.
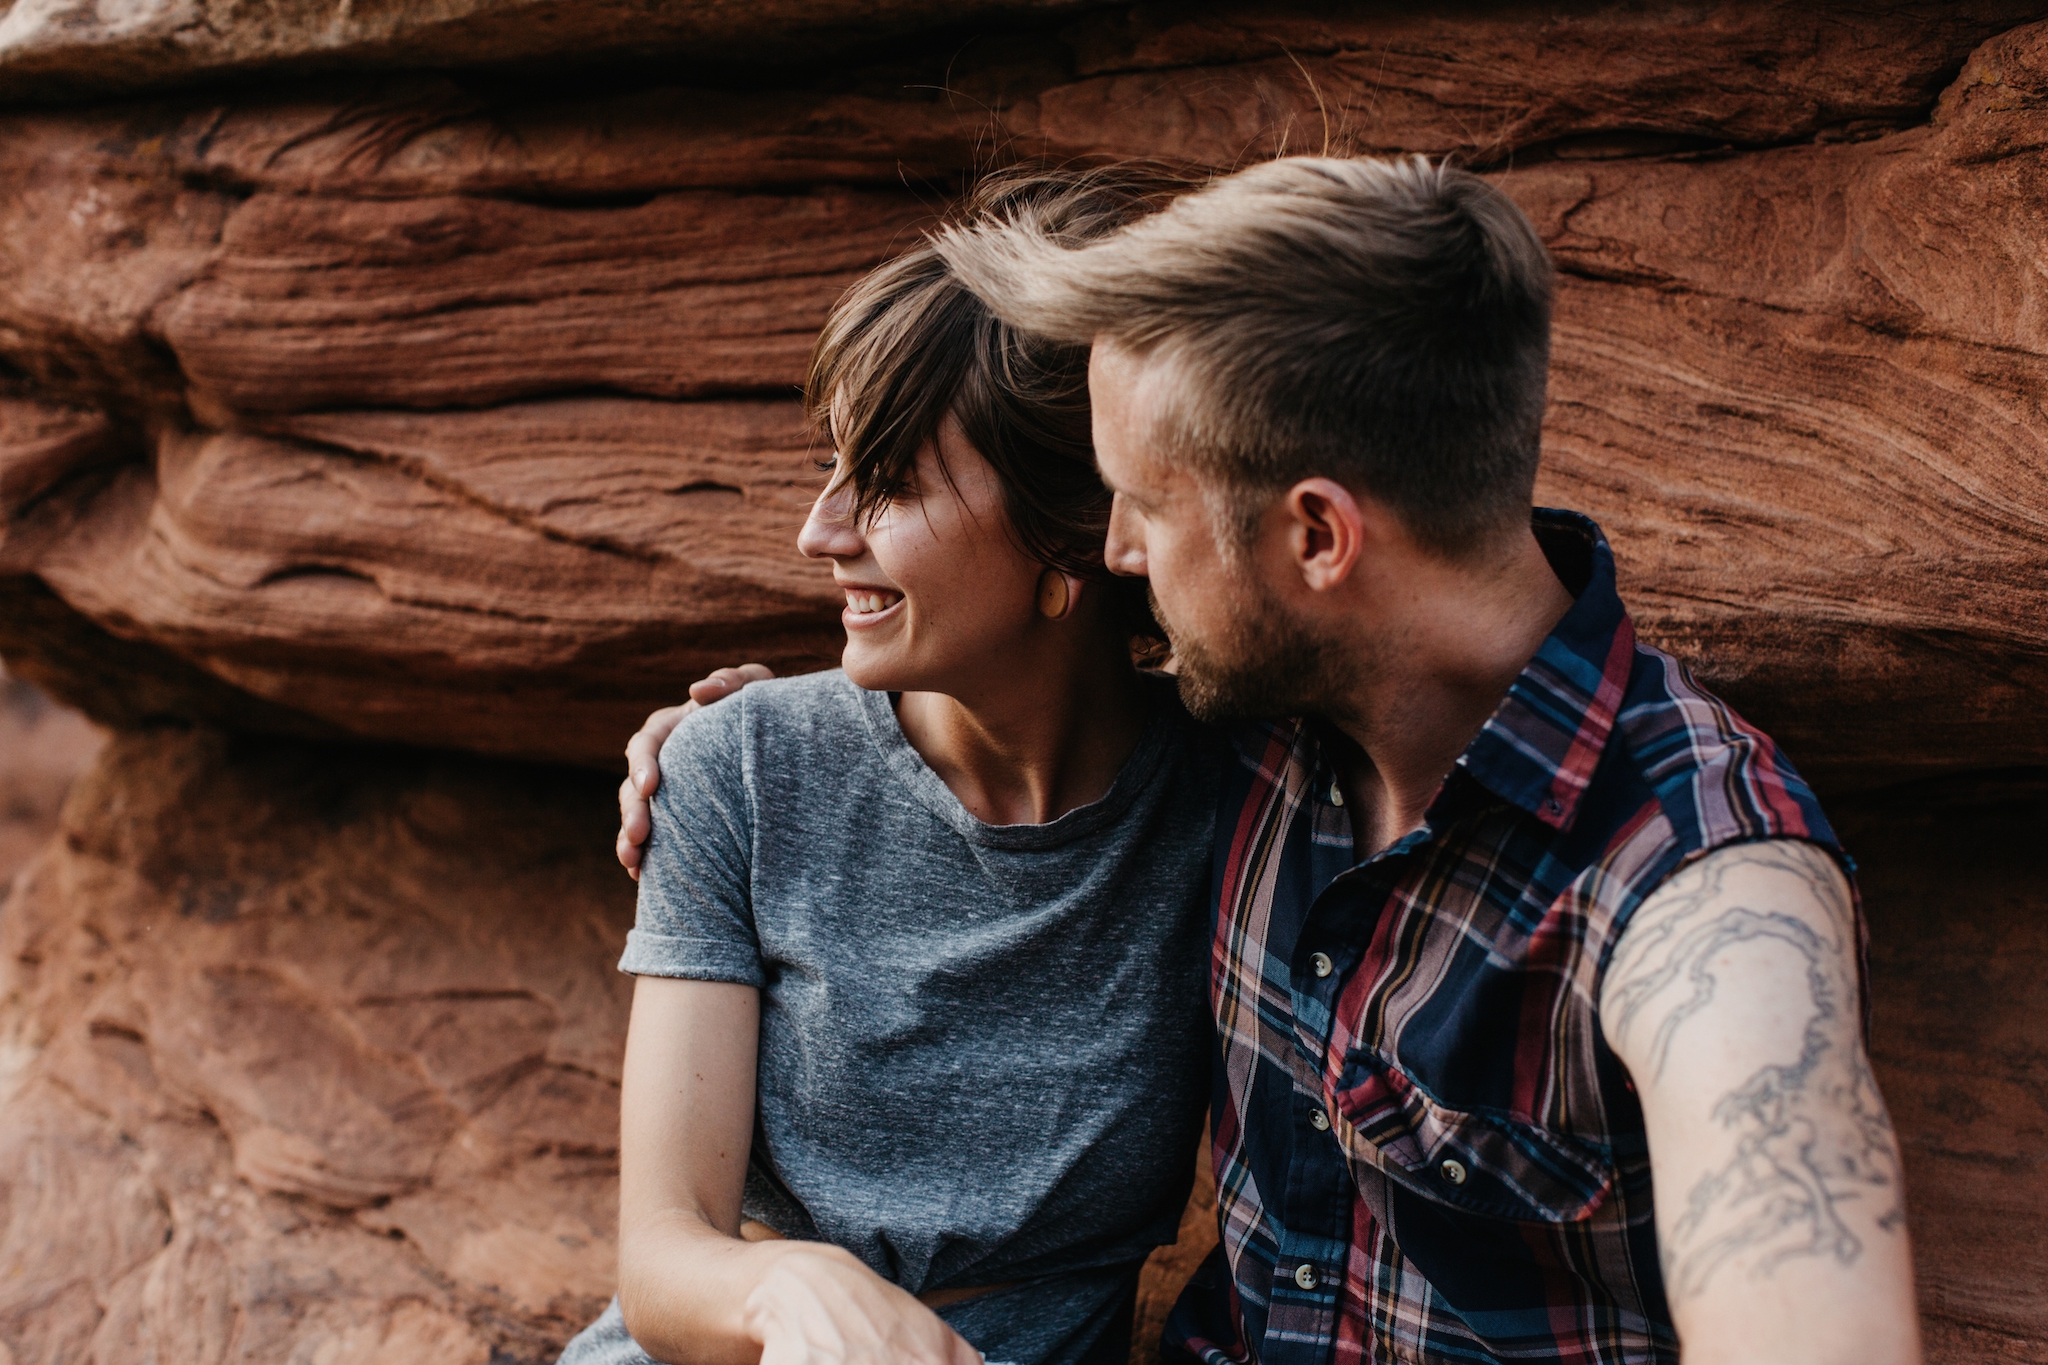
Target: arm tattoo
pixel 1811 1135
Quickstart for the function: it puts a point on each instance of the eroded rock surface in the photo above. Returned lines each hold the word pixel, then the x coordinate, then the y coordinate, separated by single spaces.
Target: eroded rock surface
pixel 488 398
pixel 514 580
pixel 80 48
pixel 1953 877
pixel 310 1054
pixel 43 749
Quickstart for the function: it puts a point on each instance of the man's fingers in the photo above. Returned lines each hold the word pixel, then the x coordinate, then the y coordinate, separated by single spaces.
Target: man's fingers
pixel 633 823
pixel 629 856
pixel 726 681
pixel 643 750
pixel 704 691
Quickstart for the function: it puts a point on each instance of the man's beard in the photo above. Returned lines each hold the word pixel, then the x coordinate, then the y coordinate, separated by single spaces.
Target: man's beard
pixel 1264 665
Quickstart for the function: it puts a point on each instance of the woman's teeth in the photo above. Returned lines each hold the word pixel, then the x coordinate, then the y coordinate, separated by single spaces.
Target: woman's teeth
pixel 868 603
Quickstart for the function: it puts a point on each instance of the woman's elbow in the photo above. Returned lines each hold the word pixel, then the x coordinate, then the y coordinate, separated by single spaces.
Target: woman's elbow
pixel 648 1314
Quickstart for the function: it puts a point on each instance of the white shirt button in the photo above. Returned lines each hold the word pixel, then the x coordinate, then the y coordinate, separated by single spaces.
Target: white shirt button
pixel 1336 794
pixel 1319 1121
pixel 1305 1275
pixel 1454 1170
pixel 1322 964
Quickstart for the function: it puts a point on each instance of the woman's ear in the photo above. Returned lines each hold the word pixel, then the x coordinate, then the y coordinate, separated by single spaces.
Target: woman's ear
pixel 1058 594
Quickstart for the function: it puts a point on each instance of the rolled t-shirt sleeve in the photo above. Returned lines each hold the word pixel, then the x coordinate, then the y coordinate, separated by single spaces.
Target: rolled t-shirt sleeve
pixel 696 917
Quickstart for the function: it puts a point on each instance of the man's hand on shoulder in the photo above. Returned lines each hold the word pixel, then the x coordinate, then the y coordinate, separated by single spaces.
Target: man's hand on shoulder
pixel 643 756
pixel 1733 999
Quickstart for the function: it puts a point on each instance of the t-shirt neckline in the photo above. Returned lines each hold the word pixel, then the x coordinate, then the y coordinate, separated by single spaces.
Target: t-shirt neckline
pixel 878 709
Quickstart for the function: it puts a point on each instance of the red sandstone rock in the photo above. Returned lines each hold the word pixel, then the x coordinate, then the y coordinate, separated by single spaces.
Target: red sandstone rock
pixel 1211 86
pixel 1811 422
pixel 1953 879
pixel 87 250
pixel 1229 82
pixel 43 748
pixel 68 48
pixel 550 569
pixel 310 1055
pixel 313 303
pixel 1773 382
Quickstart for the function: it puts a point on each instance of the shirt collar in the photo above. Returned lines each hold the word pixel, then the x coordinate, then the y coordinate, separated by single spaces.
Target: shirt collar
pixel 1544 740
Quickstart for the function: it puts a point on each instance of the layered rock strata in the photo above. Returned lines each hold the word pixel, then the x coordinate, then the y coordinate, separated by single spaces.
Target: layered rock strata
pixel 488 398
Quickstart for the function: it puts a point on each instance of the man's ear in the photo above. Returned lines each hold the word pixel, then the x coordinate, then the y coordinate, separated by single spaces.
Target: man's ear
pixel 1327 529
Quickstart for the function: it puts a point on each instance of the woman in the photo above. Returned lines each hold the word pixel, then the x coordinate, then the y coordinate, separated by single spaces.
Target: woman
pixel 918 1052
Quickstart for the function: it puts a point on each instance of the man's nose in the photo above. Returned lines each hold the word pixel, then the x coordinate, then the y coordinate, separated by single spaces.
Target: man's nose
pixel 1124 551
pixel 829 531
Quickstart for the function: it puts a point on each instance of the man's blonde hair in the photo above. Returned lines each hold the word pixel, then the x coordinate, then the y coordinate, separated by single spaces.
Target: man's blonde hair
pixel 1385 323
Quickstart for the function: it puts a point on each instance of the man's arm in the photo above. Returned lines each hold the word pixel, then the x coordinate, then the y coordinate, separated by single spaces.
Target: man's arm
pixel 1733 1000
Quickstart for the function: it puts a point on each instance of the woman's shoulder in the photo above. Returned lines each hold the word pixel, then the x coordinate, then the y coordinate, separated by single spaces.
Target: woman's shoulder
pixel 822 704
pixel 786 716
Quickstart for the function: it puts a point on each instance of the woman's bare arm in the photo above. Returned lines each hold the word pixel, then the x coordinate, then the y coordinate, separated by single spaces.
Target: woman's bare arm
pixel 693 1292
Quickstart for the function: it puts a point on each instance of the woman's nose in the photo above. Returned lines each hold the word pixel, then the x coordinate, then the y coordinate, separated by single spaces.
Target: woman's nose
pixel 829 531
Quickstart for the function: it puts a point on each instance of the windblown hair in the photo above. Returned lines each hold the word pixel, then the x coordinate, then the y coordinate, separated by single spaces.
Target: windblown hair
pixel 909 345
pixel 1385 323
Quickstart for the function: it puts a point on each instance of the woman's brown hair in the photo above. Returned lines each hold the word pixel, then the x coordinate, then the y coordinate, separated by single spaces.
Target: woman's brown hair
pixel 909 345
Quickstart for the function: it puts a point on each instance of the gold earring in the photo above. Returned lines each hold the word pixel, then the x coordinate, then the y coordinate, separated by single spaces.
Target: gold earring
pixel 1054 597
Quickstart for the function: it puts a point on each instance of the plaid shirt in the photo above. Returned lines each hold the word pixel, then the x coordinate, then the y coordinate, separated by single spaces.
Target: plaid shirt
pixel 1424 1149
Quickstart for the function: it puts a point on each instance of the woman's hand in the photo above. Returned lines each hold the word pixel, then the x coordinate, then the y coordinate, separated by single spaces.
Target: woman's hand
pixel 818 1305
pixel 643 755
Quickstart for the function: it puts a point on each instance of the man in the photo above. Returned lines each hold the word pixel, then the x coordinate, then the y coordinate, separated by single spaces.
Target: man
pixel 1537 971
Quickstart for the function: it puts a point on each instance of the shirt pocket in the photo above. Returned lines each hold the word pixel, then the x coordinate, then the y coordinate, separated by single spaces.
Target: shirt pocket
pixel 1482 1162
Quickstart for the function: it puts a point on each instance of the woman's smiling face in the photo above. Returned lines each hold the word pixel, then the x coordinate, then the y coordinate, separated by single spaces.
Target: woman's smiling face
pixel 937 592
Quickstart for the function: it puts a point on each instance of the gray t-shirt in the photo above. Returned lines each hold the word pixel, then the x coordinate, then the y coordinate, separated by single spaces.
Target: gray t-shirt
pixel 984 1049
